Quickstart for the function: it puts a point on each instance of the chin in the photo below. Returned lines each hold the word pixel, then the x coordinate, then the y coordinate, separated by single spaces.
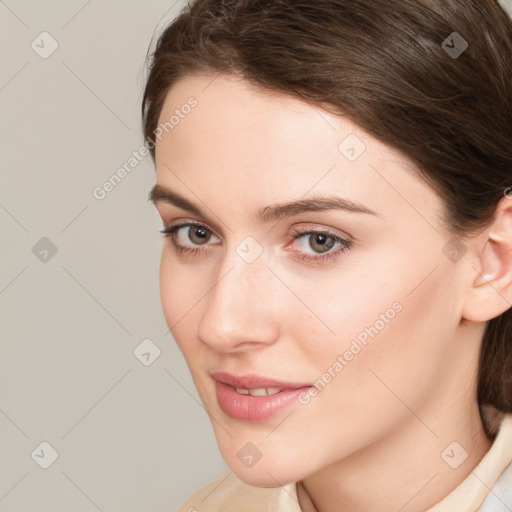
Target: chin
pixel 259 477
pixel 265 473
pixel 275 462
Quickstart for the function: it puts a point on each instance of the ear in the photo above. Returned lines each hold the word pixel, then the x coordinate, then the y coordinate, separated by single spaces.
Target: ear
pixel 491 291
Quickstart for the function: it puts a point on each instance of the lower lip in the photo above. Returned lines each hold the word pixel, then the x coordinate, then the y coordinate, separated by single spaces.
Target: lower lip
pixel 254 408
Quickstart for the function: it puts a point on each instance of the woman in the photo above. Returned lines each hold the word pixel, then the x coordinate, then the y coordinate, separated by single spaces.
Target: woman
pixel 334 180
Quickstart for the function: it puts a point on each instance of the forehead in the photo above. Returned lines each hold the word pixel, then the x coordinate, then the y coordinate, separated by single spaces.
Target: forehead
pixel 264 146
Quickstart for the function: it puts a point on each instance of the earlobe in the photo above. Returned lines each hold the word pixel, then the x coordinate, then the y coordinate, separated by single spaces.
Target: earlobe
pixel 491 291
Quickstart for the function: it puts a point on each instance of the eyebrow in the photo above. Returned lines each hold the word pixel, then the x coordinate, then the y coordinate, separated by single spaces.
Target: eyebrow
pixel 161 194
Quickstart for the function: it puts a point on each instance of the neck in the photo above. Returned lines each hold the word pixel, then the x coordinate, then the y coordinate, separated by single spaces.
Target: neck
pixel 417 465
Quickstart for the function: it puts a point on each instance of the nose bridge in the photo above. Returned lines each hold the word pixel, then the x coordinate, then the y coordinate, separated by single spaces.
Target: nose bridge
pixel 238 307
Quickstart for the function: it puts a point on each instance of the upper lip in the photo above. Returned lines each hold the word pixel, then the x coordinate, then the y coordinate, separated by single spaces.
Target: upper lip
pixel 254 381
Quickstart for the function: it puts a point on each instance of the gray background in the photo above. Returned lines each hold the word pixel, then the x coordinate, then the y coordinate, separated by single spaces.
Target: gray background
pixel 129 437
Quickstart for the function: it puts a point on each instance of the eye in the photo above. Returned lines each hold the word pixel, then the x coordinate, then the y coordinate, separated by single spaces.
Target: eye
pixel 311 245
pixel 319 246
pixel 188 237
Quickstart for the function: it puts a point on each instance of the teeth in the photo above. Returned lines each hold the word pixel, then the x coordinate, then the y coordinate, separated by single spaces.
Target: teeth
pixel 258 391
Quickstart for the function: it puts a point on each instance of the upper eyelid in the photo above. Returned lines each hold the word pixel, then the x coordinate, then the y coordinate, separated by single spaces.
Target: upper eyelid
pixel 303 229
pixel 166 210
pixel 328 230
pixel 186 223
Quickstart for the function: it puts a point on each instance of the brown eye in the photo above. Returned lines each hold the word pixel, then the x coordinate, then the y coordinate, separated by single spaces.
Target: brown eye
pixel 198 235
pixel 321 242
pixel 318 246
pixel 189 237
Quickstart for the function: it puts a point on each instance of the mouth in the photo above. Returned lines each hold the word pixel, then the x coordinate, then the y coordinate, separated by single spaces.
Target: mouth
pixel 258 391
pixel 253 398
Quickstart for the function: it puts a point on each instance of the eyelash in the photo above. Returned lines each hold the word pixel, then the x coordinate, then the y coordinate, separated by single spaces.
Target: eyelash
pixel 345 244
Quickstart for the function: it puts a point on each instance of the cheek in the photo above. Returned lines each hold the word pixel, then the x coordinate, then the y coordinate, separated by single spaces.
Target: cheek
pixel 399 361
pixel 179 292
pixel 398 320
pixel 340 304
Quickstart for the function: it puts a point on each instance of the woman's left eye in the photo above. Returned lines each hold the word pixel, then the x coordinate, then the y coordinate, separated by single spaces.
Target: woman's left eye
pixel 320 246
pixel 313 246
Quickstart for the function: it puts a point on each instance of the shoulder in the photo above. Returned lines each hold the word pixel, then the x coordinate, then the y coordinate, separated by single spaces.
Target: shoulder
pixel 499 498
pixel 230 494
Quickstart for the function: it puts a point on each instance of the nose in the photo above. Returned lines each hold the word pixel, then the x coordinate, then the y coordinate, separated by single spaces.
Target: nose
pixel 241 311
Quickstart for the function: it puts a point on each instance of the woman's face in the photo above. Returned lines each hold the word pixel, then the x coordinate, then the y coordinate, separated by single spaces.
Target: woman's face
pixel 353 288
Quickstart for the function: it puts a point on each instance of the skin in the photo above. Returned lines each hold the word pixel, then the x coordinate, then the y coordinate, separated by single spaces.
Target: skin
pixel 385 419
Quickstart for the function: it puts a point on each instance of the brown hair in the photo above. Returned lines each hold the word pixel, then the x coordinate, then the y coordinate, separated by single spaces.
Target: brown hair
pixel 383 64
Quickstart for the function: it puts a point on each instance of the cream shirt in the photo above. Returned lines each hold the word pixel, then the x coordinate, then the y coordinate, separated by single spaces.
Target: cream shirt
pixel 488 488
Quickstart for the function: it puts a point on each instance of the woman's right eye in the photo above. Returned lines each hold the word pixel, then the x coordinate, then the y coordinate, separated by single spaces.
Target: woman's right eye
pixel 189 237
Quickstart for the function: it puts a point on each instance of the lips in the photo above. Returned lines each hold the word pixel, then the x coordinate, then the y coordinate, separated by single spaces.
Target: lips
pixel 253 398
pixel 254 382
